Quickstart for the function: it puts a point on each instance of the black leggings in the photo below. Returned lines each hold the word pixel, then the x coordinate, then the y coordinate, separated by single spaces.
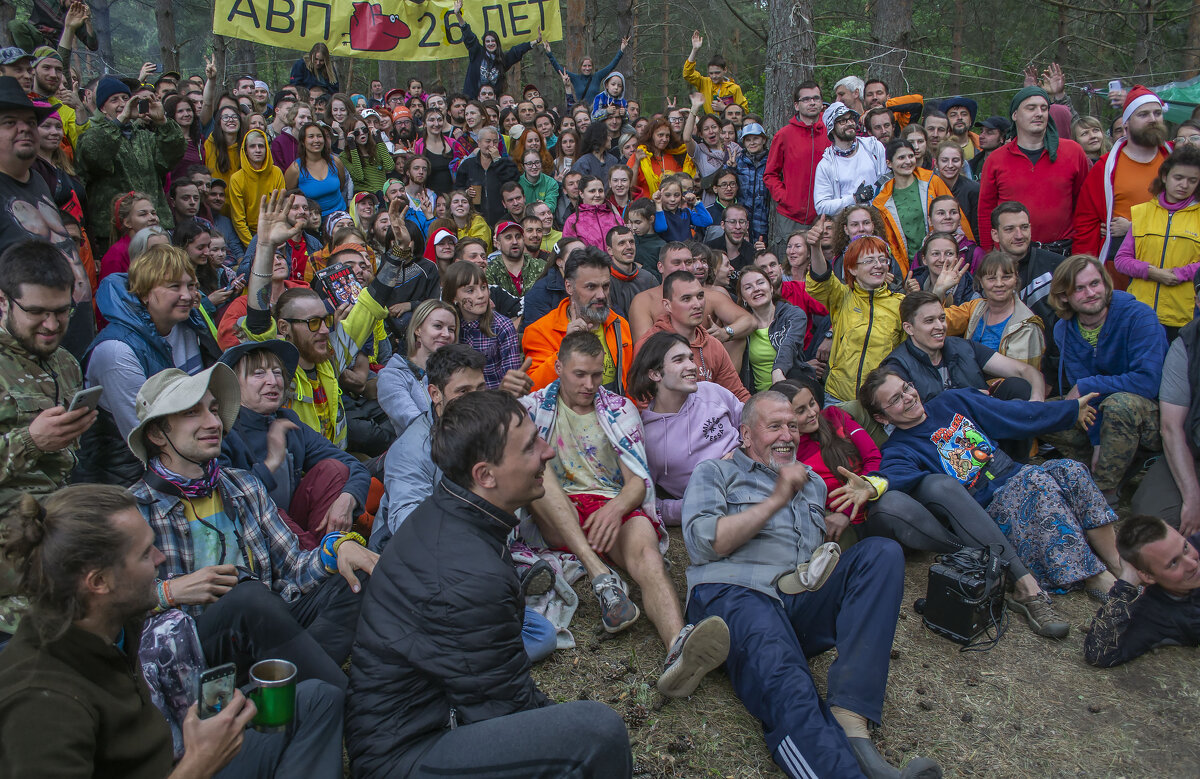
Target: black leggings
pixel 914 522
pixel 251 623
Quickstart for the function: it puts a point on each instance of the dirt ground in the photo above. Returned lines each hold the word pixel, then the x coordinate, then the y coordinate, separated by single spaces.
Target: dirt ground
pixel 1030 707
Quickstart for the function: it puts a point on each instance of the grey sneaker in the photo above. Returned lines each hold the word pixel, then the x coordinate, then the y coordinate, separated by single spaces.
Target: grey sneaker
pixel 617 611
pixel 697 650
pixel 1040 614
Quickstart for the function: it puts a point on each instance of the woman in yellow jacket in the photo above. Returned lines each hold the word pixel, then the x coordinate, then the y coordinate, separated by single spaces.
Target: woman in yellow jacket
pixel 1161 251
pixel 865 313
pixel 221 147
pixel 468 224
pixel 904 201
pixel 258 175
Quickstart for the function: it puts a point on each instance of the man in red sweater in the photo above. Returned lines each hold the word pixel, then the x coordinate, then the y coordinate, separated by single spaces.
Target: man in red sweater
pixel 792 162
pixel 1121 180
pixel 1038 169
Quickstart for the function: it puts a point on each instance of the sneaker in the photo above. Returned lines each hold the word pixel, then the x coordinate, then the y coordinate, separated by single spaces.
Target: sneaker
pixel 1040 614
pixel 698 649
pixel 617 611
pixel 536 579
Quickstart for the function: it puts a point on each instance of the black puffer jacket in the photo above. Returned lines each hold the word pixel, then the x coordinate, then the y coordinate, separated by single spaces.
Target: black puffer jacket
pixel 439 635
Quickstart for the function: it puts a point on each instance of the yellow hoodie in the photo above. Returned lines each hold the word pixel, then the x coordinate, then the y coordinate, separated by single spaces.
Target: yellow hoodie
pixel 247 185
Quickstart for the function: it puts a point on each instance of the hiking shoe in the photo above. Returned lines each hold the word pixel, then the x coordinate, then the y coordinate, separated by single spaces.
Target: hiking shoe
pixel 874 766
pixel 1040 614
pixel 617 611
pixel 697 650
pixel 537 579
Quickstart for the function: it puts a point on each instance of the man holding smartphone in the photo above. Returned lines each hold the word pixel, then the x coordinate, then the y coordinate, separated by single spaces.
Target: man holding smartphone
pixel 38 435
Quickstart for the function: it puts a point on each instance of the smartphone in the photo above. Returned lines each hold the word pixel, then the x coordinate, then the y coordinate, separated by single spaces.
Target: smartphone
pixel 143 106
pixel 1115 85
pixel 216 689
pixel 86 398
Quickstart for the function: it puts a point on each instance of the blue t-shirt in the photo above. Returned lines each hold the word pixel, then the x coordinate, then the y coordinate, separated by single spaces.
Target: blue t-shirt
pixel 989 335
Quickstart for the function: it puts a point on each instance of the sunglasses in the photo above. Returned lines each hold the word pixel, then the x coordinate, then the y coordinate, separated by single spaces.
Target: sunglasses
pixel 314 322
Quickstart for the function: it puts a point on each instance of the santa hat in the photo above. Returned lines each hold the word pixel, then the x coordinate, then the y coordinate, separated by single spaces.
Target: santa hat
pixel 1135 99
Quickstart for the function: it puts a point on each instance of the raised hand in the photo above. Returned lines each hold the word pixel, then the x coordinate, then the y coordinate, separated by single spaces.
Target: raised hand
pixel 157 114
pixel 697 101
pixel 396 211
pixel 624 42
pixel 210 68
pixel 1031 76
pixel 671 103
pixel 147 69
pixel 273 225
pixel 949 278
pixel 458 7
pixel 697 40
pixel 77 14
pixel 1053 80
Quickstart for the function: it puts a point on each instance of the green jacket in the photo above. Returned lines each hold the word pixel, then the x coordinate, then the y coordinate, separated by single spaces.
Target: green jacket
pixel 545 190
pixel 30 386
pixel 497 273
pixel 113 160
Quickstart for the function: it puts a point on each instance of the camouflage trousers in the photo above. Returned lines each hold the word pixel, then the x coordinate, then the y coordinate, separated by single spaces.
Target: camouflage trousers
pixel 1128 422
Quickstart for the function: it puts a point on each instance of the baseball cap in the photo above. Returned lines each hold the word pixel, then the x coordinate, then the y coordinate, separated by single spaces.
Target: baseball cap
pixel 995 123
pixel 508 225
pixel 754 128
pixel 11 55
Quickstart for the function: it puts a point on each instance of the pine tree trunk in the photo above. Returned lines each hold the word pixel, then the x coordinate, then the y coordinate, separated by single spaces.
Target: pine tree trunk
pixel 791 53
pixel 891 28
pixel 8 12
pixel 102 23
pixel 167 46
pixel 1191 55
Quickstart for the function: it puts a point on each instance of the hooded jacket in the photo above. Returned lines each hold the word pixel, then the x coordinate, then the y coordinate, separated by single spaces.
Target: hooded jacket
pixel 866 327
pixel 837 177
pixel 545 294
pixel 712 360
pixel 786 335
pixel 930 187
pixel 603 100
pixel 247 185
pixel 752 189
pixel 543 337
pixel 704 428
pixel 728 91
pixel 591 224
pixel 484 68
pixel 791 169
pixel 1128 355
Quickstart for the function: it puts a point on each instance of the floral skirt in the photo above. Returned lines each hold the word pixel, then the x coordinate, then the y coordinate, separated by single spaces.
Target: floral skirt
pixel 1044 511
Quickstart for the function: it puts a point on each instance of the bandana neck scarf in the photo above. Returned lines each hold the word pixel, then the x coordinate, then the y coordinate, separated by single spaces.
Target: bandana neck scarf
pixel 201 487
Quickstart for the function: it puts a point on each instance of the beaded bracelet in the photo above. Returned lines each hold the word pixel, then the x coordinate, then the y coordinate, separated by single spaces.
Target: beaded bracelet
pixel 348 537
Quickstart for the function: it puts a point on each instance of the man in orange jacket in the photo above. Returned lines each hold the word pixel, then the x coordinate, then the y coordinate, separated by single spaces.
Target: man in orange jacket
pixel 587 278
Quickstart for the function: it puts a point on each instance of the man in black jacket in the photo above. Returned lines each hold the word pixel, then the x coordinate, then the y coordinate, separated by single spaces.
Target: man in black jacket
pixel 440 679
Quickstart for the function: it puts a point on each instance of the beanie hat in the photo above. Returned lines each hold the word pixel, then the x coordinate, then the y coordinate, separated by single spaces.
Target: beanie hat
pixel 109 86
pixel 1051 130
pixel 1135 99
pixel 401 112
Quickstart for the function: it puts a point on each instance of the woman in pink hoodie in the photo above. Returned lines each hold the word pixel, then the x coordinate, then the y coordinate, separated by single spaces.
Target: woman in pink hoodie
pixel 594 218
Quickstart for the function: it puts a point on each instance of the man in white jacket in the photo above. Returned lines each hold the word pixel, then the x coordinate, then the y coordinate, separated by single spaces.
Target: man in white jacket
pixel 851 168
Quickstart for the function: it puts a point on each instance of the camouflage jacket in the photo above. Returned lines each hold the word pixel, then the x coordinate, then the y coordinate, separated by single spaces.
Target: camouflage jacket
pixel 28 386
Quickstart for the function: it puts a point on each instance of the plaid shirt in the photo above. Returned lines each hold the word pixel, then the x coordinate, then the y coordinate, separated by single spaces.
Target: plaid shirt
pixel 268 547
pixel 502 350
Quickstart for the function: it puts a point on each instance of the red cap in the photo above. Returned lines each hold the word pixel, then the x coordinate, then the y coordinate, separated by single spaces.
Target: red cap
pixel 506 225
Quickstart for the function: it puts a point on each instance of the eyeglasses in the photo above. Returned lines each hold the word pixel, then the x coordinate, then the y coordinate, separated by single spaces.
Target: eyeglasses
pixel 41 313
pixel 313 322
pixel 737 222
pixel 869 262
pixel 1188 139
pixel 811 99
pixel 907 389
pixel 727 183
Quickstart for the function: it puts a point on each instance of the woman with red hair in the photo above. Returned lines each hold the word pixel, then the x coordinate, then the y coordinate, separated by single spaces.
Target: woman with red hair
pixel 865 313
pixel 660 153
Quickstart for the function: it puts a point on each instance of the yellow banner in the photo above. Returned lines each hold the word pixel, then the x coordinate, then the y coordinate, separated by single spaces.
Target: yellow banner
pixel 386 30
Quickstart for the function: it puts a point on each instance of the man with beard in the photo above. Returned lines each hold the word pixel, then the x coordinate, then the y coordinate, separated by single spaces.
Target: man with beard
pixel 754 525
pixel 38 436
pixel 406 133
pixel 1121 180
pixel 904 108
pixel 960 113
pixel 74 698
pixel 514 268
pixel 735 239
pixel 327 344
pixel 47 80
pixel 880 124
pixel 587 277
pixel 1036 168
pixel 1110 343
pixel 850 167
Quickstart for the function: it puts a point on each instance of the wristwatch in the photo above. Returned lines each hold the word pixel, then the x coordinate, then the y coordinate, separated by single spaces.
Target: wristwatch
pixel 729 332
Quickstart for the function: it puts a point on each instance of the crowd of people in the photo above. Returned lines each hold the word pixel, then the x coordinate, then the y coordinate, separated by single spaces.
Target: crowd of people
pixel 303 374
